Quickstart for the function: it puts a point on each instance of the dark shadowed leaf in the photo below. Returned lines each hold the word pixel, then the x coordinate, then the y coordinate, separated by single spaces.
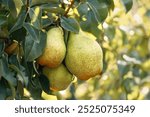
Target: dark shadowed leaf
pixel 90 24
pixel 3 19
pixel 128 83
pixel 110 4
pixel 44 84
pixel 21 75
pixel 1 48
pixel 127 4
pixel 3 89
pixel 5 71
pixel 34 87
pixel 34 48
pixel 33 32
pixel 99 9
pixel 19 90
pixel 69 24
pixel 123 67
pixel 20 20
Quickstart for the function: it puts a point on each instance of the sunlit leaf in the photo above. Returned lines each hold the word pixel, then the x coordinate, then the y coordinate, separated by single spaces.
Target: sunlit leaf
pixel 35 16
pixel 53 8
pixel 40 2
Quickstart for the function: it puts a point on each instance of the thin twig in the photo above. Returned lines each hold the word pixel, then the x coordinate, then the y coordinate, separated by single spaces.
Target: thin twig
pixel 27 5
pixel 69 7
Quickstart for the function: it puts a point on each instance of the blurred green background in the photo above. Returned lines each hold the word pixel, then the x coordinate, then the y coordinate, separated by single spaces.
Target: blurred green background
pixel 126 47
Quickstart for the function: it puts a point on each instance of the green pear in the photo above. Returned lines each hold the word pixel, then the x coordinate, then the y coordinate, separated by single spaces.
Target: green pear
pixel 84 56
pixel 59 77
pixel 55 49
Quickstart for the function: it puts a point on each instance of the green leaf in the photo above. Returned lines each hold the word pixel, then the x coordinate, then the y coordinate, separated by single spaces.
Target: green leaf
pixel 90 24
pixel 19 90
pixel 5 71
pixel 53 8
pixel 66 35
pixel 123 67
pixel 22 76
pixel 69 24
pixel 147 13
pixel 14 6
pixel 44 84
pixel 99 9
pixel 3 90
pixel 2 45
pixel 82 9
pixel 40 2
pixel 19 69
pixel 35 16
pixel 128 83
pixel 20 21
pixel 127 4
pixel 16 34
pixel 3 19
pixel 110 3
pixel 46 22
pixel 34 87
pixel 33 48
pixel 33 32
pixel 110 32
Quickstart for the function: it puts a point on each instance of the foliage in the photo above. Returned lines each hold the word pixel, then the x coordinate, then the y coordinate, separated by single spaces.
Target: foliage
pixel 122 28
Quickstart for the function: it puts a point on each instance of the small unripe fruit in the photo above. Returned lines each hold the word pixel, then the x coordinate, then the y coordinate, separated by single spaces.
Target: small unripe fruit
pixel 59 77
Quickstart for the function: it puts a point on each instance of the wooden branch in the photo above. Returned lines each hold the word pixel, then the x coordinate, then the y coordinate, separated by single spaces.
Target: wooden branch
pixel 69 7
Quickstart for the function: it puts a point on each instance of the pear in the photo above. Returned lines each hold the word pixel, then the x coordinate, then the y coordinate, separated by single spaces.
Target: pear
pixel 84 56
pixel 59 77
pixel 55 49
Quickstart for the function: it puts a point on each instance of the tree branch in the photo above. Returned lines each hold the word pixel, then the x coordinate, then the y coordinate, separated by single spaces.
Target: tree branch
pixel 69 7
pixel 27 5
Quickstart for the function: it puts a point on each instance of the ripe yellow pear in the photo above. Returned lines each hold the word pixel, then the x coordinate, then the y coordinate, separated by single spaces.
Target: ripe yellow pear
pixel 84 56
pixel 59 77
pixel 55 49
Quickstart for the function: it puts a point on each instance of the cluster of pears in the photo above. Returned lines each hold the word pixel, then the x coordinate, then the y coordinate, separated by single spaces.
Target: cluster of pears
pixel 81 56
